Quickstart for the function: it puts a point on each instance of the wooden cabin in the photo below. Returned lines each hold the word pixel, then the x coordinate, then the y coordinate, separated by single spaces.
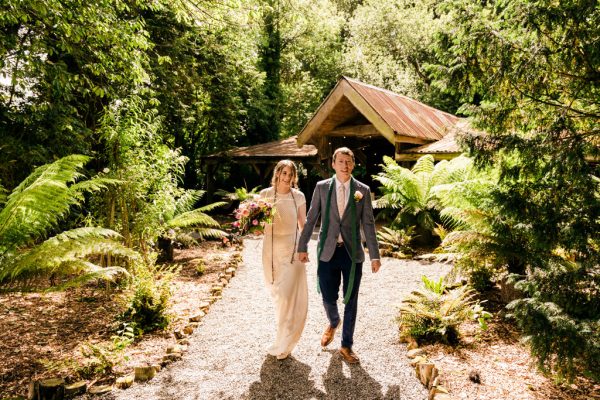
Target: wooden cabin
pixel 374 122
pixel 371 121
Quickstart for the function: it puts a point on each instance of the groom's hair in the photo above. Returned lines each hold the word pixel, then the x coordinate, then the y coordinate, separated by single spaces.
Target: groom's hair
pixel 343 150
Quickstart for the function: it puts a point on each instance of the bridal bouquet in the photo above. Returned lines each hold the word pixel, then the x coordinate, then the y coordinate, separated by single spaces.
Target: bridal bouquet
pixel 252 215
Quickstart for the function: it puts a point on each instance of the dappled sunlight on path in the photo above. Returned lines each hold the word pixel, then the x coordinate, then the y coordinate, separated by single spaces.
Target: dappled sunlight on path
pixel 227 356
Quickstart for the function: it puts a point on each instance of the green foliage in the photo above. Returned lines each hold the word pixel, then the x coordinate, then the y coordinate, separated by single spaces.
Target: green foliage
pixel 200 267
pixel 390 45
pixel 185 216
pixel 238 194
pixel 124 337
pixel 148 302
pixel 413 190
pixel 396 242
pixel 148 170
pixel 204 77
pixel 560 320
pixel 34 209
pixel 440 231
pixel 65 61
pixel 527 72
pixel 480 254
pixel 433 313
pixel 101 358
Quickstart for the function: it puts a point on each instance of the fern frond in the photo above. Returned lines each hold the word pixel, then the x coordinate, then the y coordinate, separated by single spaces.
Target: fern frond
pixel 188 199
pixel 94 184
pixel 40 201
pixel 3 193
pixel 87 272
pixel 212 206
pixel 207 233
pixel 193 218
pixel 424 164
pixel 67 247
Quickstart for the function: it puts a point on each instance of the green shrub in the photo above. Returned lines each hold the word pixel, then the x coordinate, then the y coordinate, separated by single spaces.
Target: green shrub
pixel 433 313
pixel 149 299
pixel 481 275
pixel 396 242
pixel 560 318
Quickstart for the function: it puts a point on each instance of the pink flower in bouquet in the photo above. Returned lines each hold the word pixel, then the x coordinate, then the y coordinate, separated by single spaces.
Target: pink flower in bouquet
pixel 252 216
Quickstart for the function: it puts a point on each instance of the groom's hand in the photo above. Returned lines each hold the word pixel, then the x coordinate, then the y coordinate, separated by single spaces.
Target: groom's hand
pixel 303 257
pixel 375 265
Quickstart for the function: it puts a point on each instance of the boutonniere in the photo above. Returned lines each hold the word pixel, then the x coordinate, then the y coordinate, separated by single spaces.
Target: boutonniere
pixel 358 196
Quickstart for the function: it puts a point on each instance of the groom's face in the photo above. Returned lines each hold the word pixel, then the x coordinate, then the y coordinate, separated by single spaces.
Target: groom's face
pixel 343 166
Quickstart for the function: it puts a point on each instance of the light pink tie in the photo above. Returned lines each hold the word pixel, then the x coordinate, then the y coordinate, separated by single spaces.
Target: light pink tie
pixel 341 200
pixel 341 203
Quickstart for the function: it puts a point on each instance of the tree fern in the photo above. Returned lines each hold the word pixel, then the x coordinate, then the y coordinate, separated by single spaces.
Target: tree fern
pixel 413 191
pixel 186 216
pixel 36 206
pixel 40 201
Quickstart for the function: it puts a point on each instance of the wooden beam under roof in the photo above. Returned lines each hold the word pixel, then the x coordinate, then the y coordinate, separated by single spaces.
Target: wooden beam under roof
pixel 357 130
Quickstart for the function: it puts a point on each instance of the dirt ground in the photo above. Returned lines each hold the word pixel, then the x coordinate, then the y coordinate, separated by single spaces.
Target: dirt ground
pixel 43 336
pixel 501 363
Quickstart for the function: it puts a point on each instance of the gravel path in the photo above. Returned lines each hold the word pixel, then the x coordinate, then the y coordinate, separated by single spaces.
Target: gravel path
pixel 227 356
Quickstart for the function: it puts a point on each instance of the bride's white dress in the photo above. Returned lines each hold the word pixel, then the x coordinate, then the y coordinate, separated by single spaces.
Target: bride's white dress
pixel 286 278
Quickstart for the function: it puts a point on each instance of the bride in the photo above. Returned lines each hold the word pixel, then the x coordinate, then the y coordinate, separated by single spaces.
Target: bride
pixel 284 274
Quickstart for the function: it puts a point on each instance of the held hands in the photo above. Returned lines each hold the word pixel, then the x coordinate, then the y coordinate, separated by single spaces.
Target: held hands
pixel 375 265
pixel 303 257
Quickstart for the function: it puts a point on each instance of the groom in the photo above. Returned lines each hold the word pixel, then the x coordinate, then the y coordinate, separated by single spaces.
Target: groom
pixel 345 206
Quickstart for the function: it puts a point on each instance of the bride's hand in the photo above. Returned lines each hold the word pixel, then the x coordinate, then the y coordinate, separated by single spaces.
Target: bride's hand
pixel 303 257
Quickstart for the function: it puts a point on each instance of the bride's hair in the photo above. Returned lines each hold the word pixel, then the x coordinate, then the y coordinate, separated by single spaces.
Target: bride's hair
pixel 279 167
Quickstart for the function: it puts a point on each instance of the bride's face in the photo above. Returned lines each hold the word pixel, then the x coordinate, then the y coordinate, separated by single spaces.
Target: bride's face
pixel 285 177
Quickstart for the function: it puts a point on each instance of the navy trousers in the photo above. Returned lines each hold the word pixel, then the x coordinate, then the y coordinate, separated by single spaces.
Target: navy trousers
pixel 330 274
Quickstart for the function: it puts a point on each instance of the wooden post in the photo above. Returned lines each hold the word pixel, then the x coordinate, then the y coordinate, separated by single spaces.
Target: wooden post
pixel 51 389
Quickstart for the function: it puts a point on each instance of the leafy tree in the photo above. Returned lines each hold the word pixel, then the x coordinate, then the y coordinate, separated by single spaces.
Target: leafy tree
pixel 390 44
pixel 528 73
pixel 34 209
pixel 65 60
pixel 311 61
pixel 149 201
pixel 204 77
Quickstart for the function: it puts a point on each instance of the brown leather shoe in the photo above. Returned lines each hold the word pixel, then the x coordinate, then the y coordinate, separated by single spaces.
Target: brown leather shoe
pixel 349 355
pixel 328 335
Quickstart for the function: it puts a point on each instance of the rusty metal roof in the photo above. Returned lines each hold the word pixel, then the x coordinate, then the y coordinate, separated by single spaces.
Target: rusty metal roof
pixel 445 145
pixel 283 148
pixel 404 115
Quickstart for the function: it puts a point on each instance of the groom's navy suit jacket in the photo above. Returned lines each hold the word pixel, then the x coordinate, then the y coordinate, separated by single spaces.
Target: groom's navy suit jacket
pixel 364 219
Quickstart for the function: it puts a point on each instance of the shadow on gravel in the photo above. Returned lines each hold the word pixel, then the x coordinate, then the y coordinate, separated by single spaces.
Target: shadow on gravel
pixel 360 385
pixel 286 379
